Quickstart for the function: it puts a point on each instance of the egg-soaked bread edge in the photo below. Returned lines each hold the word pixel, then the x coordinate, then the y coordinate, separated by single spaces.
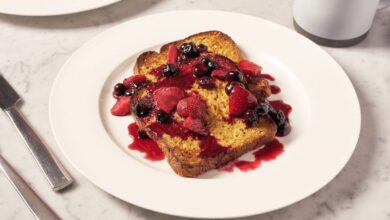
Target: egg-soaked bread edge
pixel 180 160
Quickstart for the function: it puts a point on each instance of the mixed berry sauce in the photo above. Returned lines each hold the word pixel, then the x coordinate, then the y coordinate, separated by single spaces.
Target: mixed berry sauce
pixel 268 152
pixel 275 89
pixel 144 145
pixel 194 64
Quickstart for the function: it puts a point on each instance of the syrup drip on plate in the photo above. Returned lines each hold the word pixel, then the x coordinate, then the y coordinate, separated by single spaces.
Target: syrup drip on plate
pixel 275 89
pixel 269 152
pixel 148 146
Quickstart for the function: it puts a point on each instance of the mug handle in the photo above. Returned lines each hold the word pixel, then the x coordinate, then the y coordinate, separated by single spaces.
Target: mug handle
pixel 383 4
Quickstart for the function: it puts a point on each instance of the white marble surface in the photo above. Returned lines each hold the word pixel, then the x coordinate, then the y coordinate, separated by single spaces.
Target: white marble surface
pixel 33 49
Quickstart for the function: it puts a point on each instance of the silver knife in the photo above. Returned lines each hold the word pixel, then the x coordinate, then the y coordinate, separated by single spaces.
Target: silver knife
pixel 55 173
pixel 36 205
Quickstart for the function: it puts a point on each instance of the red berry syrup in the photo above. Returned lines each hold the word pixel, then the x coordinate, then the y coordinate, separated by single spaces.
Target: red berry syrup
pixel 148 146
pixel 269 152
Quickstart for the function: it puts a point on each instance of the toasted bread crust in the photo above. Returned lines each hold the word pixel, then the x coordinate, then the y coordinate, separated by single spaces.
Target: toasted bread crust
pixel 183 168
pixel 216 41
pixel 185 160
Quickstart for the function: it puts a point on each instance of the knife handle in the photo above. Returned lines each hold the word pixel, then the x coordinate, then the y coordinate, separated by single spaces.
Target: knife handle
pixel 37 206
pixel 55 173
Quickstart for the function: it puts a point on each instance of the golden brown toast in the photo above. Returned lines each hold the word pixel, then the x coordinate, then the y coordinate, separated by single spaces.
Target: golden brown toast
pixel 216 41
pixel 185 151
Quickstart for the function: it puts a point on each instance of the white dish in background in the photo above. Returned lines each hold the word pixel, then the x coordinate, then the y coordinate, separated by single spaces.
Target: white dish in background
pixel 325 118
pixel 50 7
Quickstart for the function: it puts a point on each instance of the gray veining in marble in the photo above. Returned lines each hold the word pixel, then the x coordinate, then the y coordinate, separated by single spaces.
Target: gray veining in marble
pixel 33 49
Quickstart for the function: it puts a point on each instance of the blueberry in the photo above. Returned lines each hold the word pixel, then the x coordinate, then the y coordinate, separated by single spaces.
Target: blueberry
pixel 205 61
pixel 142 134
pixel 202 48
pixel 235 76
pixel 229 87
pixel 206 82
pixel 163 117
pixel 210 65
pixel 169 70
pixel 189 49
pixel 262 109
pixel 142 110
pixel 250 117
pixel 283 129
pixel 119 89
pixel 277 116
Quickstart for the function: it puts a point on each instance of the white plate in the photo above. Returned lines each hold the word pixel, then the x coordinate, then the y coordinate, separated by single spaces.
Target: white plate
pixel 50 7
pixel 325 118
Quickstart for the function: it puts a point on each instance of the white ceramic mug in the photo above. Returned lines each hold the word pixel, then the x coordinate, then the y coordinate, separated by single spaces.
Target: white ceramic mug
pixel 335 22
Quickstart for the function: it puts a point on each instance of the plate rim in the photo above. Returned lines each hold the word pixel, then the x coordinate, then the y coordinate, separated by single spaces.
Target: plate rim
pixel 13 10
pixel 200 11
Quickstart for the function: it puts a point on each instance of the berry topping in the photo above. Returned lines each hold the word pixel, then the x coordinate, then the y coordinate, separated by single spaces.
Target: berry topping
pixel 235 76
pixel 169 70
pixel 219 74
pixel 209 64
pixel 262 109
pixel 229 87
pixel 240 101
pixel 277 116
pixel 122 106
pixel 205 61
pixel 283 129
pixel 173 54
pixel 182 58
pixel 137 79
pixel 133 87
pixel 224 63
pixel 250 69
pixel 142 110
pixel 279 113
pixel 119 90
pixel 195 125
pixel 200 70
pixel 191 106
pixel 130 91
pixel 206 82
pixel 250 117
pixel 142 134
pixel 202 48
pixel 167 98
pixel 189 49
pixel 280 105
pixel 163 117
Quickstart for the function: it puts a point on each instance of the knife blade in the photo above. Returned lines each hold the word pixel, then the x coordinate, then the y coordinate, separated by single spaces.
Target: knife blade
pixel 8 96
pixel 54 171
pixel 36 205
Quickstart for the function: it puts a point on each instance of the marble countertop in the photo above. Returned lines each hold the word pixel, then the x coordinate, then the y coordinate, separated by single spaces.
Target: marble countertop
pixel 32 51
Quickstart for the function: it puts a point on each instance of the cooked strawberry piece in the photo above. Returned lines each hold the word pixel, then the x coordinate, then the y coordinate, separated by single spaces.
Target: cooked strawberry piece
pixel 137 79
pixel 191 106
pixel 122 106
pixel 250 69
pixel 167 98
pixel 240 101
pixel 173 53
pixel 186 69
pixel 219 74
pixel 195 125
pixel 200 70
pixel 224 63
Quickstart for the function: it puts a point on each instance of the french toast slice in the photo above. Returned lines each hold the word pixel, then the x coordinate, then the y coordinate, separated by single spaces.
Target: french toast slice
pixel 194 146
